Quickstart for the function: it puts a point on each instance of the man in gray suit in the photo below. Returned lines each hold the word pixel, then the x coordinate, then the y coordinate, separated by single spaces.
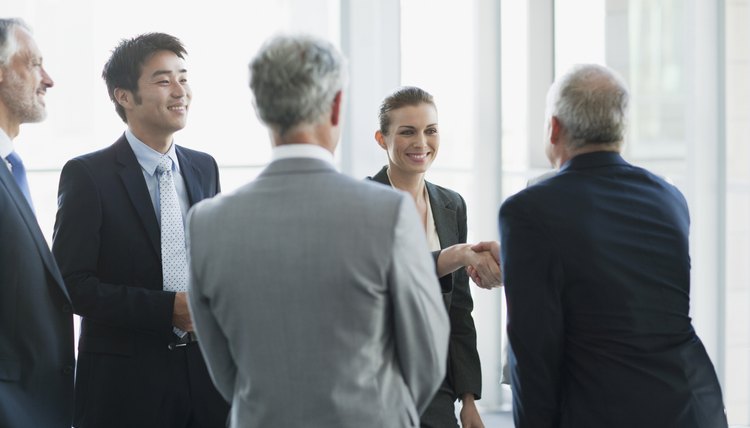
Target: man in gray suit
pixel 314 294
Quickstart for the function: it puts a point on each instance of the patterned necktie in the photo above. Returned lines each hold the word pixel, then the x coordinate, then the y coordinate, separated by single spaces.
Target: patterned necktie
pixel 173 253
pixel 19 174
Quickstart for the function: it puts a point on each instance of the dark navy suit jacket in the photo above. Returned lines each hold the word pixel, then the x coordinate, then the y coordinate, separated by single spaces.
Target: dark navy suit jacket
pixel 36 321
pixel 597 277
pixel 108 246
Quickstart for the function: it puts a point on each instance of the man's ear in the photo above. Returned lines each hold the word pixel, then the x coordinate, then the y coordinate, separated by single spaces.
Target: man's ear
pixel 336 109
pixel 380 138
pixel 123 97
pixel 555 131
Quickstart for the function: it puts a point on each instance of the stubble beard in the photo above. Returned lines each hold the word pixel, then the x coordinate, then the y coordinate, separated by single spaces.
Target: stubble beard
pixel 21 104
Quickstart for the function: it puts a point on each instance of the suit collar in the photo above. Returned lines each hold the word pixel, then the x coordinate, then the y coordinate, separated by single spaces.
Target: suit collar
pixel 382 176
pixel 444 210
pixel 297 166
pixel 192 176
pixel 132 178
pixel 594 160
pixel 7 181
pixel 147 157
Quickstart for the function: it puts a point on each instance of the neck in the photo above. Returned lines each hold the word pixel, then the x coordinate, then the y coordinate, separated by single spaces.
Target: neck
pixel 410 182
pixel 8 124
pixel 305 134
pixel 569 154
pixel 160 143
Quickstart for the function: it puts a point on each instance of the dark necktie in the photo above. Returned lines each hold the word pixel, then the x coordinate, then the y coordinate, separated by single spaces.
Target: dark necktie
pixel 19 174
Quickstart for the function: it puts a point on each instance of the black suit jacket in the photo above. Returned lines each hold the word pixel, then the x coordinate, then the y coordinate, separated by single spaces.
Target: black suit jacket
pixel 36 321
pixel 464 372
pixel 597 276
pixel 107 244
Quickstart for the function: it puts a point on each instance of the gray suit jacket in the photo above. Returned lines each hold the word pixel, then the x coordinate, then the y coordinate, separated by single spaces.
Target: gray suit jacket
pixel 316 301
pixel 36 321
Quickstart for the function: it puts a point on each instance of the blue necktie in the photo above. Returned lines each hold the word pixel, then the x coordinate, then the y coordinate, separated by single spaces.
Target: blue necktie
pixel 19 174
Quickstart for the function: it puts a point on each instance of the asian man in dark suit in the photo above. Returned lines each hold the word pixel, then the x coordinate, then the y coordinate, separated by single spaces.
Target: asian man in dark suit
pixel 36 317
pixel 597 276
pixel 120 243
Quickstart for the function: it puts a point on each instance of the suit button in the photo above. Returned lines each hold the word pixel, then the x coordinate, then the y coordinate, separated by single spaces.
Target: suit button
pixel 68 370
pixel 67 309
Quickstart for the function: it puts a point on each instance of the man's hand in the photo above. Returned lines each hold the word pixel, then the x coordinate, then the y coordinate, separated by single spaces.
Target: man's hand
pixel 469 414
pixel 181 313
pixel 485 268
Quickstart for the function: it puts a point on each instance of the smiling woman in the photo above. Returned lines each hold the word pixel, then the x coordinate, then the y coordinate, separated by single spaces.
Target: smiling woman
pixel 409 135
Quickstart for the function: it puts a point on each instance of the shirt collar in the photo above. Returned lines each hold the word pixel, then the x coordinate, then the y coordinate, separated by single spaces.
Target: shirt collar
pixel 314 151
pixel 147 157
pixel 6 144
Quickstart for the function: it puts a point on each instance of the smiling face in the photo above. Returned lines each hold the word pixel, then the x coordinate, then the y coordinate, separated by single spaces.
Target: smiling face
pixel 24 82
pixel 159 108
pixel 412 141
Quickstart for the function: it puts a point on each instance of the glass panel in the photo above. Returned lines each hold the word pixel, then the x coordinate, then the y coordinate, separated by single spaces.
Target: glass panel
pixel 514 63
pixel 657 77
pixel 437 55
pixel 576 43
pixel 737 317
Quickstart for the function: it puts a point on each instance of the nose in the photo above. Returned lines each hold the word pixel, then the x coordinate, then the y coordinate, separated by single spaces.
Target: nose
pixel 46 79
pixel 180 90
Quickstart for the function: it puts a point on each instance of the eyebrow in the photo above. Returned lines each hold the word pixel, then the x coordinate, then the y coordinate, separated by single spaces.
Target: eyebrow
pixel 161 72
pixel 414 127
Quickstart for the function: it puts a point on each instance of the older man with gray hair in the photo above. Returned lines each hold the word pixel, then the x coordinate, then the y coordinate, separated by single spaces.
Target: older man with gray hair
pixel 597 276
pixel 36 318
pixel 314 294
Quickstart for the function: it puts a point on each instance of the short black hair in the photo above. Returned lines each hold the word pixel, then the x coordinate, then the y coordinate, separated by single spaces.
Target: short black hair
pixel 124 67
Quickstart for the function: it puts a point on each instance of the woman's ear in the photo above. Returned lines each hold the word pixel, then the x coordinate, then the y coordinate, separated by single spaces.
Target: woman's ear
pixel 380 138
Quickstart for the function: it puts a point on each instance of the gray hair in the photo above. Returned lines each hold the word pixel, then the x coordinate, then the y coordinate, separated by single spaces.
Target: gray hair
pixel 8 42
pixel 294 80
pixel 591 103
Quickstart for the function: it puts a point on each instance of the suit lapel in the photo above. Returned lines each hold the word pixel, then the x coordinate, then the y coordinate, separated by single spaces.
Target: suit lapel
pixel 132 178
pixel 31 223
pixel 444 213
pixel 192 177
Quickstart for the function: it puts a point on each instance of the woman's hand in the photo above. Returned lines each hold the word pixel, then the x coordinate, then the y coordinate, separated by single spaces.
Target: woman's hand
pixel 469 414
pixel 484 269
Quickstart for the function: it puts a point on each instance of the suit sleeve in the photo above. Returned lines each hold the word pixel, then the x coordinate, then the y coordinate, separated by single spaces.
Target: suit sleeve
pixel 420 321
pixel 446 281
pixel 76 246
pixel 214 343
pixel 465 368
pixel 533 287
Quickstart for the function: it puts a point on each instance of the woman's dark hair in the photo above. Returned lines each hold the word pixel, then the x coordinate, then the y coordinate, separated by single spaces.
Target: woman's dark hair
pixel 402 97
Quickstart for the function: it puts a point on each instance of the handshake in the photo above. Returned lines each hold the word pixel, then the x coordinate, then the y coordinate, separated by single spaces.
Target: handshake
pixel 482 262
pixel 485 270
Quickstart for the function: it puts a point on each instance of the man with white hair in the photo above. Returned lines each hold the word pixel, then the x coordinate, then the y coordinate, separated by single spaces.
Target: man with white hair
pixel 314 294
pixel 597 276
pixel 36 318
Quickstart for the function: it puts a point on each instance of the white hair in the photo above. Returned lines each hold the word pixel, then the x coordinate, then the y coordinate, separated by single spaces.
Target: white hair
pixel 294 80
pixel 591 103
pixel 8 42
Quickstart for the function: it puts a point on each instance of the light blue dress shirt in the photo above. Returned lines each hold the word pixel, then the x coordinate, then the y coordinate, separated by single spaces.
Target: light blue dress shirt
pixel 149 158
